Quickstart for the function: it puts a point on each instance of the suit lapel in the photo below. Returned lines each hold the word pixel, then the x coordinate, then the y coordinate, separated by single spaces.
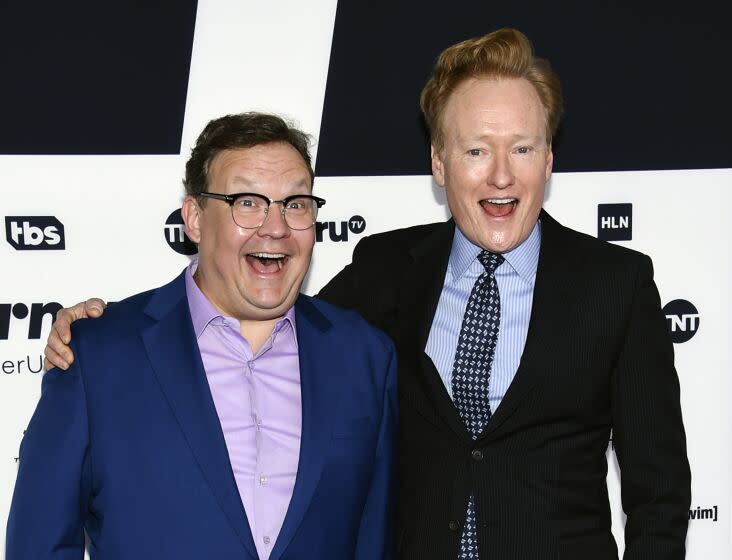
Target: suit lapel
pixel 173 352
pixel 319 390
pixel 420 293
pixel 558 274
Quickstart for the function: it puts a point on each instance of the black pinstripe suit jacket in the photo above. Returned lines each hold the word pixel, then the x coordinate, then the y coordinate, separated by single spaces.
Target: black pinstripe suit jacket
pixel 597 359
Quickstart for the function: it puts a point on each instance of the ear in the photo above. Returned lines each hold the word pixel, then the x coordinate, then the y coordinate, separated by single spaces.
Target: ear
pixel 438 166
pixel 549 163
pixel 191 213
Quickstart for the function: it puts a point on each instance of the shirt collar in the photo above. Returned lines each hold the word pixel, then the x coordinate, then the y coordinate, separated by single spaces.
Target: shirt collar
pixel 523 259
pixel 203 311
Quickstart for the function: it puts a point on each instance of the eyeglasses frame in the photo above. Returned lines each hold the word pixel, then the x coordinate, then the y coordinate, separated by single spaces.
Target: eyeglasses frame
pixel 230 199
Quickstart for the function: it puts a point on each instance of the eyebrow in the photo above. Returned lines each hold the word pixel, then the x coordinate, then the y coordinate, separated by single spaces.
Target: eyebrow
pixel 238 180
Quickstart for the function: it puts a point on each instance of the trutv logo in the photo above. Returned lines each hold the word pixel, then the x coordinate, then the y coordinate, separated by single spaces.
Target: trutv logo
pixel 34 233
pixel 338 231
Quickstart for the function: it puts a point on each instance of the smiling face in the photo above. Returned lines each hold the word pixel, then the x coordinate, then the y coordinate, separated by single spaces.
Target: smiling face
pixel 495 160
pixel 251 274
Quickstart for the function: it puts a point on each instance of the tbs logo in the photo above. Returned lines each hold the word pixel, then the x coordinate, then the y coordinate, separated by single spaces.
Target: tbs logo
pixel 615 222
pixel 35 233
pixel 338 231
pixel 682 318
pixel 176 236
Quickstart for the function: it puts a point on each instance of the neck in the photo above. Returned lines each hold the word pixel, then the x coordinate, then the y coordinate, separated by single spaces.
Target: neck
pixel 256 333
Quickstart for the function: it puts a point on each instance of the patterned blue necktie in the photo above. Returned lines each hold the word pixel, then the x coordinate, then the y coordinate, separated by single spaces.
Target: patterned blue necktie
pixel 472 368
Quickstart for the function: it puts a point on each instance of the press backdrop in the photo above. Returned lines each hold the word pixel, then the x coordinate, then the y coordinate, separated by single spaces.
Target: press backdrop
pixel 99 107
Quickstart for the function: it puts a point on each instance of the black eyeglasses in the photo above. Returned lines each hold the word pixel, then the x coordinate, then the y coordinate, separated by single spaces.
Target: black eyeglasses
pixel 249 210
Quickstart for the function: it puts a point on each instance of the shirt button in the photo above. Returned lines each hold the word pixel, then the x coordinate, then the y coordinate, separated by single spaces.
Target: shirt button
pixel 251 365
pixel 263 481
pixel 454 525
pixel 266 539
pixel 477 455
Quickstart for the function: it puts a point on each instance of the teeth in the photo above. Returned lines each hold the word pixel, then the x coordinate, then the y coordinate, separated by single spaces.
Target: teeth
pixel 268 255
pixel 501 200
pixel 279 264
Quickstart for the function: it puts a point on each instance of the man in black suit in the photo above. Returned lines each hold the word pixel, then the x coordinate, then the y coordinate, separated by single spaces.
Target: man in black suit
pixel 522 344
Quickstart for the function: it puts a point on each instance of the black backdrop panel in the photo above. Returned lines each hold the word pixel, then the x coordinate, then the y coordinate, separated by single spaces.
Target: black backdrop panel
pixel 647 84
pixel 89 77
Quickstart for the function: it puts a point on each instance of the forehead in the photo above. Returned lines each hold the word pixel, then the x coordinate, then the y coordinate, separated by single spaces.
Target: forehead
pixel 494 106
pixel 262 165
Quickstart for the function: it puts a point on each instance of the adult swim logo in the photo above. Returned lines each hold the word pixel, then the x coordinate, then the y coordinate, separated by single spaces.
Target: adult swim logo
pixel 338 231
pixel 710 513
pixel 615 222
pixel 682 318
pixel 35 233
pixel 175 235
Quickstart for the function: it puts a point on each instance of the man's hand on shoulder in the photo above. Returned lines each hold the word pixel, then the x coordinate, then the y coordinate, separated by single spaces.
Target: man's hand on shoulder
pixel 58 353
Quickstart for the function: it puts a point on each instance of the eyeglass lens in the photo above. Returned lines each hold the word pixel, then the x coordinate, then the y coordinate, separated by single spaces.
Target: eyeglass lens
pixel 251 211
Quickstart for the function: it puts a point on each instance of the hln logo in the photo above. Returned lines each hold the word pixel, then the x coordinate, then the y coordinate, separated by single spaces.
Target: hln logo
pixel 615 222
pixel 33 233
pixel 338 231
pixel 682 318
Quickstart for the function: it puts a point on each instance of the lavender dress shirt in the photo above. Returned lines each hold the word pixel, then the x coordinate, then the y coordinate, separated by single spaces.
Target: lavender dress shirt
pixel 257 399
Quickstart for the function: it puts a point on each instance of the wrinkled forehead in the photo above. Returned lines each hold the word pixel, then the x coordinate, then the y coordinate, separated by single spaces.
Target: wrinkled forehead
pixel 511 105
pixel 274 164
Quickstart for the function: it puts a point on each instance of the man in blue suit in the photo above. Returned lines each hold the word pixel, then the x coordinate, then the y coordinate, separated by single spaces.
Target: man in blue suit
pixel 223 415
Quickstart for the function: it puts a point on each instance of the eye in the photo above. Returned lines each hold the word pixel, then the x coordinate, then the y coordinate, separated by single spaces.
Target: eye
pixel 474 152
pixel 248 202
pixel 523 150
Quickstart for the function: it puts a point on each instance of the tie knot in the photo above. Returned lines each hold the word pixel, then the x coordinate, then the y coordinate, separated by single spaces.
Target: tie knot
pixel 491 261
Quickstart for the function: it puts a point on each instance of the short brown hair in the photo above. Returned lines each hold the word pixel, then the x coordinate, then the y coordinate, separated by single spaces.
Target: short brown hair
pixel 506 53
pixel 243 130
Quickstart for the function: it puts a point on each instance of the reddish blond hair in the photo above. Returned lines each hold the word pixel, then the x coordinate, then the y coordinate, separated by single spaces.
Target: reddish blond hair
pixel 506 53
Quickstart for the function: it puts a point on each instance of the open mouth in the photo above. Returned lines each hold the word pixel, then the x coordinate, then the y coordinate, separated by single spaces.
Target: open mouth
pixel 267 263
pixel 499 207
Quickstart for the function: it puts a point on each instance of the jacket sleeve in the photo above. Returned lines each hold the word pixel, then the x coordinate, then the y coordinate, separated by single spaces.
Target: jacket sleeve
pixel 341 289
pixel 48 506
pixel 648 432
pixel 376 530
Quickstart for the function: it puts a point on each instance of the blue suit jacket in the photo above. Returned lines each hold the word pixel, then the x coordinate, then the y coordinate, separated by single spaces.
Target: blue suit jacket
pixel 127 445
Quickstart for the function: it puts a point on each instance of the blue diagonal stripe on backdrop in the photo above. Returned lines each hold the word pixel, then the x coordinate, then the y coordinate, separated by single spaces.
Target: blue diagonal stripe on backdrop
pixel 89 77
pixel 644 82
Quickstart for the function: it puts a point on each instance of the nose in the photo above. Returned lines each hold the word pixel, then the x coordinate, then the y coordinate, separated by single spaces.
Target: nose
pixel 501 174
pixel 274 224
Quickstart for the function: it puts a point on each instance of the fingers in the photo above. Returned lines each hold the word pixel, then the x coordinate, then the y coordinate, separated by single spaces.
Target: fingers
pixel 54 359
pixel 93 307
pixel 57 351
pixel 62 324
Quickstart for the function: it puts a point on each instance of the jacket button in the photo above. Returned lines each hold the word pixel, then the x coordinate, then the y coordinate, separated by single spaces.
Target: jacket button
pixel 477 454
pixel 454 525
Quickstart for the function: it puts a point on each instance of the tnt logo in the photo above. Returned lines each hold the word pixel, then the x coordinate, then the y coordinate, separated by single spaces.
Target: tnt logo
pixel 35 233
pixel 338 231
pixel 683 320
pixel 615 222
pixel 176 237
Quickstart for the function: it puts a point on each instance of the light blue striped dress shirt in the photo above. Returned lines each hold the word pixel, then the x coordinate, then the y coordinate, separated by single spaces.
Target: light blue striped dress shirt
pixel 515 278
